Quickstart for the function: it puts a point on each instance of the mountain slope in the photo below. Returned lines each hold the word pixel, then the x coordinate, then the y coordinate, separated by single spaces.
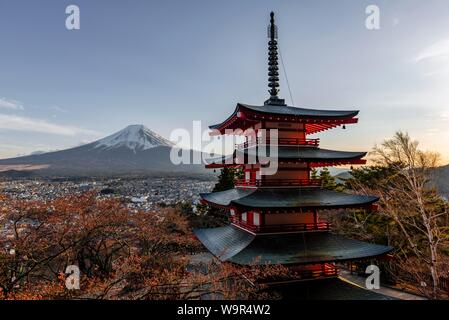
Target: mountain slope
pixel 442 181
pixel 133 150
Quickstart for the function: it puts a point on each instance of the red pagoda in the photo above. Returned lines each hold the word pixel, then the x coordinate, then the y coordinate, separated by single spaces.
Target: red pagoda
pixel 276 217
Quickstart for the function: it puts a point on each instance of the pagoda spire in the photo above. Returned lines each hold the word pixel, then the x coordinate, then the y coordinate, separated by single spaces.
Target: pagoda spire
pixel 273 69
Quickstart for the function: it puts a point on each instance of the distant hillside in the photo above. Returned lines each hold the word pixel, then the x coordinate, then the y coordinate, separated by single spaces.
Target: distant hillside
pixel 343 176
pixel 442 181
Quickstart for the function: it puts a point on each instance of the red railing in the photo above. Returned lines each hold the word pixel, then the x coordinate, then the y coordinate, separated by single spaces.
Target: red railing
pixel 320 226
pixel 279 183
pixel 281 142
pixel 301 142
pixel 326 270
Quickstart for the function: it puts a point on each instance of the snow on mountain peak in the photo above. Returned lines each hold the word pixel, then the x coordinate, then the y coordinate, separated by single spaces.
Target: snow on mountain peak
pixel 134 137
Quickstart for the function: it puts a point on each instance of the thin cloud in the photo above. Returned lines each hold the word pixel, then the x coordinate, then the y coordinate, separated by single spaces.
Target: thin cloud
pixel 8 146
pixel 16 123
pixel 438 50
pixel 10 104
pixel 445 115
pixel 435 59
pixel 58 109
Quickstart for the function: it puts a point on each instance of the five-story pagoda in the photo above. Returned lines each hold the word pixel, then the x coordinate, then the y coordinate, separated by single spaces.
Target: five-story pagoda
pixel 275 215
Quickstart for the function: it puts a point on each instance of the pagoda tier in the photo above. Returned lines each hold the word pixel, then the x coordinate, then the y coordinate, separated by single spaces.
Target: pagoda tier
pixel 311 120
pixel 235 245
pixel 313 156
pixel 275 199
pixel 273 210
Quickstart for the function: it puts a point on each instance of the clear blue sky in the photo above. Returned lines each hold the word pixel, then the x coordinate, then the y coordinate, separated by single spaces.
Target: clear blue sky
pixel 166 63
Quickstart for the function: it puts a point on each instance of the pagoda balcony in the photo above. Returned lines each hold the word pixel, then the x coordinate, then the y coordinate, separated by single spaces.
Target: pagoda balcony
pixel 299 227
pixel 280 142
pixel 279 183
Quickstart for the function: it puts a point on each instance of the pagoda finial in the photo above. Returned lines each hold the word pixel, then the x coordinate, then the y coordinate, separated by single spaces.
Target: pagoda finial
pixel 273 69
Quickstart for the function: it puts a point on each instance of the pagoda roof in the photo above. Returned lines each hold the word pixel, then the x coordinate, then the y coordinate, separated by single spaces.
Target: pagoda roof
pixel 286 153
pixel 306 153
pixel 301 112
pixel 244 115
pixel 287 198
pixel 235 245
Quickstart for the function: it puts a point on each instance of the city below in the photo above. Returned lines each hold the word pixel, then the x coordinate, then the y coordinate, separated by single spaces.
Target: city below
pixel 140 193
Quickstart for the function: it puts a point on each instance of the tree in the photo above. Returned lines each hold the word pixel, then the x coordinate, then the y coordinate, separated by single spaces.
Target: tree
pixel 328 181
pixel 226 179
pixel 208 216
pixel 375 175
pixel 314 174
pixel 122 254
pixel 401 178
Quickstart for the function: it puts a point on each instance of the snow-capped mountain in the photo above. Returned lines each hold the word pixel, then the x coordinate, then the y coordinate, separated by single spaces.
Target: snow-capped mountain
pixel 134 137
pixel 133 150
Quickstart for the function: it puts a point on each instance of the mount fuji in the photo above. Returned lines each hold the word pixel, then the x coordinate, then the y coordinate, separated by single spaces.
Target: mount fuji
pixel 134 137
pixel 133 150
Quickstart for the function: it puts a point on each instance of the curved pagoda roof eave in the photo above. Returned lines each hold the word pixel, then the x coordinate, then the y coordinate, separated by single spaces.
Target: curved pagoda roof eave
pixel 233 115
pixel 301 112
pixel 277 110
pixel 305 153
pixel 287 153
pixel 238 246
pixel 287 198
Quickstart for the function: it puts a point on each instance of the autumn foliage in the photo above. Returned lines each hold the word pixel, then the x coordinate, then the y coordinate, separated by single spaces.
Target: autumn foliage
pixel 122 254
pixel 412 216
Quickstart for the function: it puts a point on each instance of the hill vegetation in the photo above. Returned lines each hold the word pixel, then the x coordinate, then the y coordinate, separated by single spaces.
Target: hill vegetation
pixel 412 216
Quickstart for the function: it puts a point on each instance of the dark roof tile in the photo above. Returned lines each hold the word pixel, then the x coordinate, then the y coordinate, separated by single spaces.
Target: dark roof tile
pixel 236 245
pixel 306 197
